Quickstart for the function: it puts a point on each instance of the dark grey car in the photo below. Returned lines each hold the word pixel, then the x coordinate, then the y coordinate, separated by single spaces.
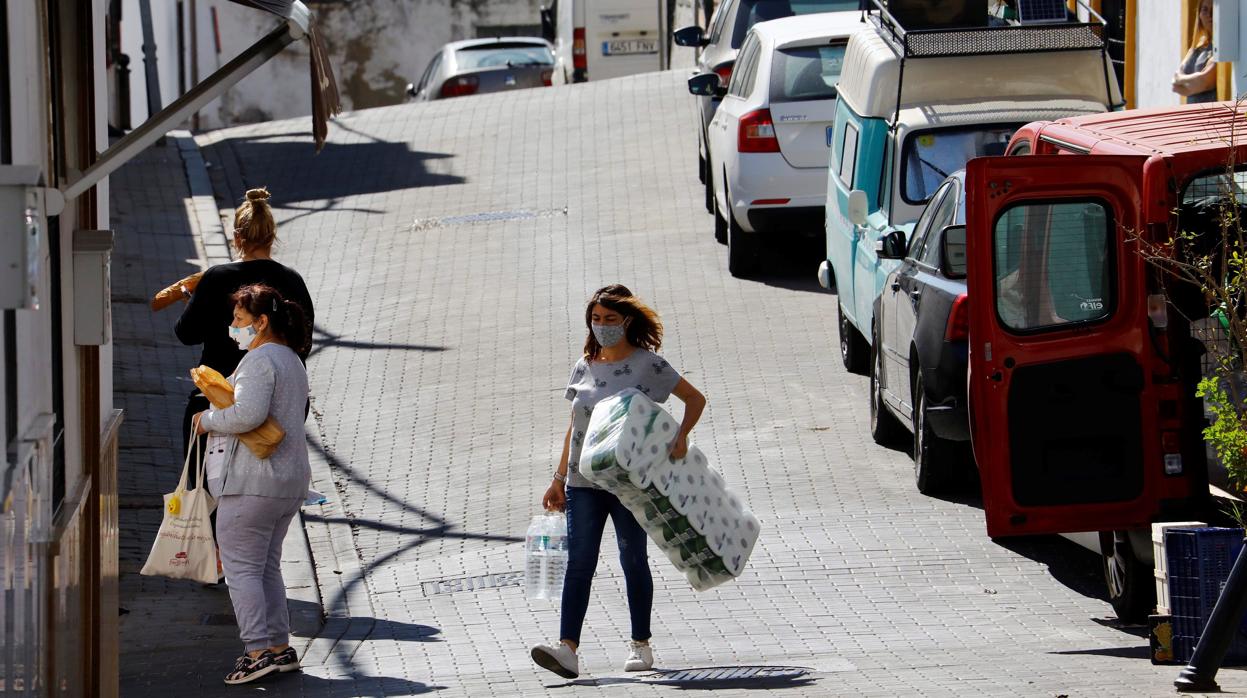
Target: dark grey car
pixel 921 343
pixel 479 66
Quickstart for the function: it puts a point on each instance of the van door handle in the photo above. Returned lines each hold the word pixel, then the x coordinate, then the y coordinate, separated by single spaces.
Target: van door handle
pixel 997 376
pixel 896 286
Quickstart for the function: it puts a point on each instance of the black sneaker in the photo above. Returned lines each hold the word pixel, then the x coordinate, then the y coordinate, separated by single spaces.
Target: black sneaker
pixel 285 660
pixel 247 669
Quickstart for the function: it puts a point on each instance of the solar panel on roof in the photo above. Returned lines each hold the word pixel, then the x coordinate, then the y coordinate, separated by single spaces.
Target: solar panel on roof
pixel 1033 11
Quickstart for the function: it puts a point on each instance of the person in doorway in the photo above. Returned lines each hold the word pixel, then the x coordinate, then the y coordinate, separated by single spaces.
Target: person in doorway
pixel 619 352
pixel 207 317
pixel 1196 77
pixel 256 499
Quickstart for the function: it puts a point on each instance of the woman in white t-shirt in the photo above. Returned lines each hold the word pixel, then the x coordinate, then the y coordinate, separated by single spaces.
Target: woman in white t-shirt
pixel 619 353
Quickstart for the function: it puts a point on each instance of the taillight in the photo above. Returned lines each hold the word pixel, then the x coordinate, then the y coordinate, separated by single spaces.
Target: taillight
pixel 757 133
pixel 547 77
pixel 958 329
pixel 724 72
pixel 578 49
pixel 460 86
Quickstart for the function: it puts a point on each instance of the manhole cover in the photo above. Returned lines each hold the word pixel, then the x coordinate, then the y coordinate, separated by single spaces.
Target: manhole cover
pixel 485 581
pixel 732 675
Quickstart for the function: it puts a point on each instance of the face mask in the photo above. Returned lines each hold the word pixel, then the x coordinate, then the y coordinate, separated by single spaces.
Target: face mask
pixel 244 336
pixel 609 335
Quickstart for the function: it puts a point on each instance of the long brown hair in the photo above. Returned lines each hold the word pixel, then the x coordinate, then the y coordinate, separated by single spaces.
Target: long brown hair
pixel 286 318
pixel 644 329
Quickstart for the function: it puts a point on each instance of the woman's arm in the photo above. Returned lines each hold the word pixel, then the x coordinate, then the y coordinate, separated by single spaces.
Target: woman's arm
pixel 192 326
pixel 555 498
pixel 1203 80
pixel 694 405
pixel 253 392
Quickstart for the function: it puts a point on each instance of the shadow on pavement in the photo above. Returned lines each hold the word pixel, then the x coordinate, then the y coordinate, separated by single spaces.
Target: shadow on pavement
pixel 791 264
pixel 741 678
pixel 304 685
pixel 324 339
pixel 1070 564
pixel 1136 652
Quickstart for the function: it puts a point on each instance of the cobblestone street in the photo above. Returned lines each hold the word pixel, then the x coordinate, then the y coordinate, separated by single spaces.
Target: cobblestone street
pixel 449 248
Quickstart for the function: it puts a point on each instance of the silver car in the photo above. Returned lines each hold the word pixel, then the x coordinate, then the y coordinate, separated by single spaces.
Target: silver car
pixel 478 66
pixel 729 26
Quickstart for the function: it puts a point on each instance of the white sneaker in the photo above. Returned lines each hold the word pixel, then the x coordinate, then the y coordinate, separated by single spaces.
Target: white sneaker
pixel 557 657
pixel 640 656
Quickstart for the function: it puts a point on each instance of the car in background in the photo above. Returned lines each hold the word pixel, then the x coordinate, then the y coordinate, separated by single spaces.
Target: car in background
pixel 719 45
pixel 769 141
pixel 480 66
pixel 602 39
pixel 921 340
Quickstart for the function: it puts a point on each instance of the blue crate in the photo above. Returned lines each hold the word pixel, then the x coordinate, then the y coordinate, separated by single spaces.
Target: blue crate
pixel 1199 561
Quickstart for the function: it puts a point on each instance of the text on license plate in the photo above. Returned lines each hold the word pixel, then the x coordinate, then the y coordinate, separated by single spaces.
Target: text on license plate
pixel 623 47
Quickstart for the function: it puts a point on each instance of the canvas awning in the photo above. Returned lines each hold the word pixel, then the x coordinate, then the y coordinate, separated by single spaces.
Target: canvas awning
pixel 296 25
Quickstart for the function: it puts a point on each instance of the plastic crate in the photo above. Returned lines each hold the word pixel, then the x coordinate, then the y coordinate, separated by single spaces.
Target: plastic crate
pixel 1161 565
pixel 1199 562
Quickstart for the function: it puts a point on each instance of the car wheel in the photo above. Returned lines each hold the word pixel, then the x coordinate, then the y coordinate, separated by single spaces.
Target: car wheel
pixel 932 455
pixel 742 248
pixel 853 349
pixel 720 223
pixel 884 427
pixel 1131 590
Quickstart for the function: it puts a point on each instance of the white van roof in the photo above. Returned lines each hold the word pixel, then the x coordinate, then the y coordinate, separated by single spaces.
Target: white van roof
pixel 868 83
pixel 801 29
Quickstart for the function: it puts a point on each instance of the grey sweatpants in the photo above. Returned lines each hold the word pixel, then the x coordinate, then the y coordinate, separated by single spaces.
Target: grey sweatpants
pixel 250 531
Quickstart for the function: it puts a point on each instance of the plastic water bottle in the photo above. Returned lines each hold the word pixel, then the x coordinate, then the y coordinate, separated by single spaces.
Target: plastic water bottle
pixel 545 557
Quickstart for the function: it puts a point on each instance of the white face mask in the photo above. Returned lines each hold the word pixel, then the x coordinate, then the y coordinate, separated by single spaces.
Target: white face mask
pixel 244 336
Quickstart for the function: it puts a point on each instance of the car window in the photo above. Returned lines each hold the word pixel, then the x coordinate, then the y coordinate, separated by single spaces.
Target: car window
pixel 503 54
pixel 430 72
pixel 930 156
pixel 1053 265
pixel 751 12
pixel 807 72
pixel 918 237
pixel 720 19
pixel 742 76
pixel 848 154
pixel 944 216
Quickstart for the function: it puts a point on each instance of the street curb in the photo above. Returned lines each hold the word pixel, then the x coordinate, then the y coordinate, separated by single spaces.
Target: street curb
pixel 307 610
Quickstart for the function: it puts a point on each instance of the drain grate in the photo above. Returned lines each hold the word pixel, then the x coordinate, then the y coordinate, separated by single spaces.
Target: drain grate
pixel 735 675
pixel 486 217
pixel 485 581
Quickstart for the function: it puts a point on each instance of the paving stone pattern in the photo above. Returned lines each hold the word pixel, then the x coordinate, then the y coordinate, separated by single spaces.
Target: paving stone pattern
pixel 450 248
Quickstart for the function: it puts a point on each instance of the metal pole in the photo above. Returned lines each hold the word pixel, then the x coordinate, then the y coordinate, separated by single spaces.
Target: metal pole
pixel 1200 675
pixel 149 58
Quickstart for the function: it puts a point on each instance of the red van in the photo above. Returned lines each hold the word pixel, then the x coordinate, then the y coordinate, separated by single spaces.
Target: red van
pixel 1082 363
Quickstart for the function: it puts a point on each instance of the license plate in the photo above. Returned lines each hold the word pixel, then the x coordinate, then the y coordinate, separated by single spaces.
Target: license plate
pixel 626 47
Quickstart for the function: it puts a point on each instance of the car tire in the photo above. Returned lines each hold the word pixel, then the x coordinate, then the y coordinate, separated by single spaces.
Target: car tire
pixel 742 249
pixel 1131 589
pixel 854 352
pixel 933 456
pixel 720 223
pixel 885 429
pixel 701 167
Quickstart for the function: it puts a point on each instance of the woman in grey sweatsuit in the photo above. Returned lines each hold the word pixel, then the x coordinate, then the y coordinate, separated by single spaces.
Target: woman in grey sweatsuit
pixel 256 499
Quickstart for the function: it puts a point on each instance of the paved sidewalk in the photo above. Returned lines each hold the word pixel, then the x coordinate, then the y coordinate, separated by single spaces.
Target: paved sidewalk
pixel 178 637
pixel 449 247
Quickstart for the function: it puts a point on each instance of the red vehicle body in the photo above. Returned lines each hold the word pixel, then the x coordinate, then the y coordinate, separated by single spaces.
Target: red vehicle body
pixel 1083 407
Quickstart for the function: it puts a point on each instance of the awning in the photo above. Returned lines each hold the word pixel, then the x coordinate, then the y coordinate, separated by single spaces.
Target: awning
pixel 296 25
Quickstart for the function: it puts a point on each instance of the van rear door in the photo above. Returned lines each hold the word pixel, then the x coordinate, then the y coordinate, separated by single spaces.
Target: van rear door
pixel 621 37
pixel 1059 335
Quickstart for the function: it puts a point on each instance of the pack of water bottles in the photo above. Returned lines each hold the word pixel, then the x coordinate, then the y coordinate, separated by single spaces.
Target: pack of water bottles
pixel 684 505
pixel 545 556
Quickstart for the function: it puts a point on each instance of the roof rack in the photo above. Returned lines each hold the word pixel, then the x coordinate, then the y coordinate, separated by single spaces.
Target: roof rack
pixel 985 41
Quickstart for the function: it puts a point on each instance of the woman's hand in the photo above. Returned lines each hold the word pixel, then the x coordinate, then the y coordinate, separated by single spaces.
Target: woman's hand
pixel 197 420
pixel 555 498
pixel 679 447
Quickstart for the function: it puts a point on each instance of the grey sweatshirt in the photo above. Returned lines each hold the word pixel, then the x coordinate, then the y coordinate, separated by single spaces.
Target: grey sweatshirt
pixel 270 380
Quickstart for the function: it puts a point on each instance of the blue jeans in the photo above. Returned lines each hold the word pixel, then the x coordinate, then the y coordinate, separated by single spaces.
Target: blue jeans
pixel 587 509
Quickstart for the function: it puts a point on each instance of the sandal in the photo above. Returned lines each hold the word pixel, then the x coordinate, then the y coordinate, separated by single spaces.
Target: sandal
pixel 247 669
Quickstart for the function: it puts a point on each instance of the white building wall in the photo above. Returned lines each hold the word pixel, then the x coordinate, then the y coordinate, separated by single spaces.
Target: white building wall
pixel 1158 52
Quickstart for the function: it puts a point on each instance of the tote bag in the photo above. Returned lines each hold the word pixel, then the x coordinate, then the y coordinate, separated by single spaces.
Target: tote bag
pixel 184 547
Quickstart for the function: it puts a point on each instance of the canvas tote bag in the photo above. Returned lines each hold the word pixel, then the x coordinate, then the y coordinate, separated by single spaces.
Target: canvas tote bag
pixel 184 547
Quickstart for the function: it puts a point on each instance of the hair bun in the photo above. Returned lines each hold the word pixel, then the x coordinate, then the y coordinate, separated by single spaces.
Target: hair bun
pixel 260 194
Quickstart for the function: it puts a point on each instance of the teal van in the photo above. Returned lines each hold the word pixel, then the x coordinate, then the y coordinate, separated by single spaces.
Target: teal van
pixel 915 106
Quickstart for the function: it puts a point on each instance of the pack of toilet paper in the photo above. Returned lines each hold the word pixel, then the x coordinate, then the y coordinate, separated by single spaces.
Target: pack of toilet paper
pixel 683 504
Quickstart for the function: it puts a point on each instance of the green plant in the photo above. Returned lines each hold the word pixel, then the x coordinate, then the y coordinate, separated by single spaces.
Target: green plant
pixel 1227 434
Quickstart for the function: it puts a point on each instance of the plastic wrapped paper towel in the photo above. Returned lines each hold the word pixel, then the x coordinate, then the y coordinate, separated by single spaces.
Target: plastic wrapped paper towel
pixel 684 505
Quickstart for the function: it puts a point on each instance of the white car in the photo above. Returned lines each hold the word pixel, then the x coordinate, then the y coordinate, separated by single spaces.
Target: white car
pixel 769 140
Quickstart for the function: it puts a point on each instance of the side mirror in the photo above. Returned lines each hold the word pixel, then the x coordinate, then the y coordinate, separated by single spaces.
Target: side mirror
pixel 706 85
pixel 692 37
pixel 859 207
pixel 547 24
pixel 953 252
pixel 891 246
pixel 411 90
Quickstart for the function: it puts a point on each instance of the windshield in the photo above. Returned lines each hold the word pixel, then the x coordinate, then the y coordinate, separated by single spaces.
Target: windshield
pixel 930 156
pixel 808 72
pixel 495 55
pixel 753 11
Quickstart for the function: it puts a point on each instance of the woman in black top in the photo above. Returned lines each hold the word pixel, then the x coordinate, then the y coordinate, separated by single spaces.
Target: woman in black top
pixel 207 317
